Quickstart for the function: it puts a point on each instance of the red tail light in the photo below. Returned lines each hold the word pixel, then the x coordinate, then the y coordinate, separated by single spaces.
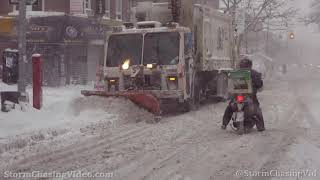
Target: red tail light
pixel 240 98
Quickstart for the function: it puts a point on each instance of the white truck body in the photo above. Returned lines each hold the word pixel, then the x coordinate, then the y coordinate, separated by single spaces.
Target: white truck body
pixel 214 37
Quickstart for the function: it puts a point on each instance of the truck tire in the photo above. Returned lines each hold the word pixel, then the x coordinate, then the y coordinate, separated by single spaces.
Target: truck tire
pixel 186 106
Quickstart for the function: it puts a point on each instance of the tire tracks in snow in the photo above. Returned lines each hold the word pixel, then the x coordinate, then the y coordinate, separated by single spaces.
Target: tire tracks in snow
pixel 145 164
pixel 206 143
pixel 293 133
pixel 248 152
pixel 154 164
pixel 74 152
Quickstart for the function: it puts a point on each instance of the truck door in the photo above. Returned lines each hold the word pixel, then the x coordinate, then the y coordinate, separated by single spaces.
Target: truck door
pixel 188 59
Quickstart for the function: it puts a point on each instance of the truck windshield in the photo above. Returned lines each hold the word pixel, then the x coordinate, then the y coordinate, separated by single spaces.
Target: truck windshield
pixel 161 48
pixel 124 47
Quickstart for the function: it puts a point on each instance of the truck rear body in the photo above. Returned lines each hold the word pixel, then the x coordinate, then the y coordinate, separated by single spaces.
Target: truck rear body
pixel 213 39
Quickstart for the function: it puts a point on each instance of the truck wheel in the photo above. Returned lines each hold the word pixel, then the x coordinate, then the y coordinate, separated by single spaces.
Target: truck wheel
pixel 186 106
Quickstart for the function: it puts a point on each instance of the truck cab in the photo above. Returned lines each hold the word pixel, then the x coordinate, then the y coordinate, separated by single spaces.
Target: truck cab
pixel 151 58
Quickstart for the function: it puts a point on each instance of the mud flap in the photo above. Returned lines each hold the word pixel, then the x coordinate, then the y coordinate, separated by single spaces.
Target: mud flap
pixel 145 100
pixel 222 86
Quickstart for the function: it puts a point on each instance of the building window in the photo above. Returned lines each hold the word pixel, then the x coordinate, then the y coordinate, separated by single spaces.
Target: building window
pixel 87 4
pixel 38 7
pixel 107 9
pixel 119 9
pixel 15 8
pixel 87 7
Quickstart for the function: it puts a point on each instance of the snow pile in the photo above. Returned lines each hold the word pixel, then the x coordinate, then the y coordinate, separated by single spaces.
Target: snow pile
pixel 38 13
pixel 11 50
pixel 64 111
pixel 5 87
pixel 119 108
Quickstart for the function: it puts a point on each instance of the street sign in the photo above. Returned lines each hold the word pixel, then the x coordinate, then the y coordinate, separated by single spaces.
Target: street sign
pixel 240 20
pixel 29 2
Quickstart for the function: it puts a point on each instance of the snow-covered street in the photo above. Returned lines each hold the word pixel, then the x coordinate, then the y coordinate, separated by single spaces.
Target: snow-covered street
pixel 113 136
pixel 138 89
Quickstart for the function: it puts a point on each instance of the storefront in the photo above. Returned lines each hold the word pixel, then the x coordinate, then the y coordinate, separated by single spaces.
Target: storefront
pixel 8 35
pixel 71 47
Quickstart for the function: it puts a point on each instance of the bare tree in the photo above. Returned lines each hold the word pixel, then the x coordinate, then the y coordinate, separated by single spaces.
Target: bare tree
pixel 260 11
pixel 261 15
pixel 314 15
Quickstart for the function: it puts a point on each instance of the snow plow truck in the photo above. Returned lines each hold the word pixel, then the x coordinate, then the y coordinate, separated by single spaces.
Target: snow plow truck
pixel 175 53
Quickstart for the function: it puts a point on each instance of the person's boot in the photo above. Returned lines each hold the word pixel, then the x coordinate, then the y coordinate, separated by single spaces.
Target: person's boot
pixel 260 125
pixel 260 121
pixel 261 129
pixel 223 127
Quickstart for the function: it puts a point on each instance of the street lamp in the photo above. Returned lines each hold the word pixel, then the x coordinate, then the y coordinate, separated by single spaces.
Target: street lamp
pixel 291 35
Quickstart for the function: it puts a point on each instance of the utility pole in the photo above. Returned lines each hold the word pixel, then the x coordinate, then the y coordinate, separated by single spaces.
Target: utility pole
pixel 287 38
pixel 267 45
pixel 268 30
pixel 22 47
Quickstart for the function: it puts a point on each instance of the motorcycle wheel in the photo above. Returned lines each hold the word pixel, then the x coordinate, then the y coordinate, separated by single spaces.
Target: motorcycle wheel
pixel 241 129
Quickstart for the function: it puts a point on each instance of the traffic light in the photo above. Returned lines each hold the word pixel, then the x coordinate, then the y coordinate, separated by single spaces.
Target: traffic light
pixel 291 35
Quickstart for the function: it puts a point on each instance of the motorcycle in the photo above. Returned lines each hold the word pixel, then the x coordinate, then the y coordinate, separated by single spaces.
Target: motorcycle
pixel 244 116
pixel 243 120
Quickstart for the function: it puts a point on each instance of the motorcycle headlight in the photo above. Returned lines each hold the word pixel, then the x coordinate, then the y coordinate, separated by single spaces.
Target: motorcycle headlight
pixel 126 64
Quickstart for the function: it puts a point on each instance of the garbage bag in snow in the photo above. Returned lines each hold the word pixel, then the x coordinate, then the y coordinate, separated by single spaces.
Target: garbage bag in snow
pixel 8 100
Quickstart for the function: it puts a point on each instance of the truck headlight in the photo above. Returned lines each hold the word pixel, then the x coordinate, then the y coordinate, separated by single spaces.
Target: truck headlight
pixel 151 66
pixel 172 78
pixel 172 83
pixel 112 81
pixel 126 64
